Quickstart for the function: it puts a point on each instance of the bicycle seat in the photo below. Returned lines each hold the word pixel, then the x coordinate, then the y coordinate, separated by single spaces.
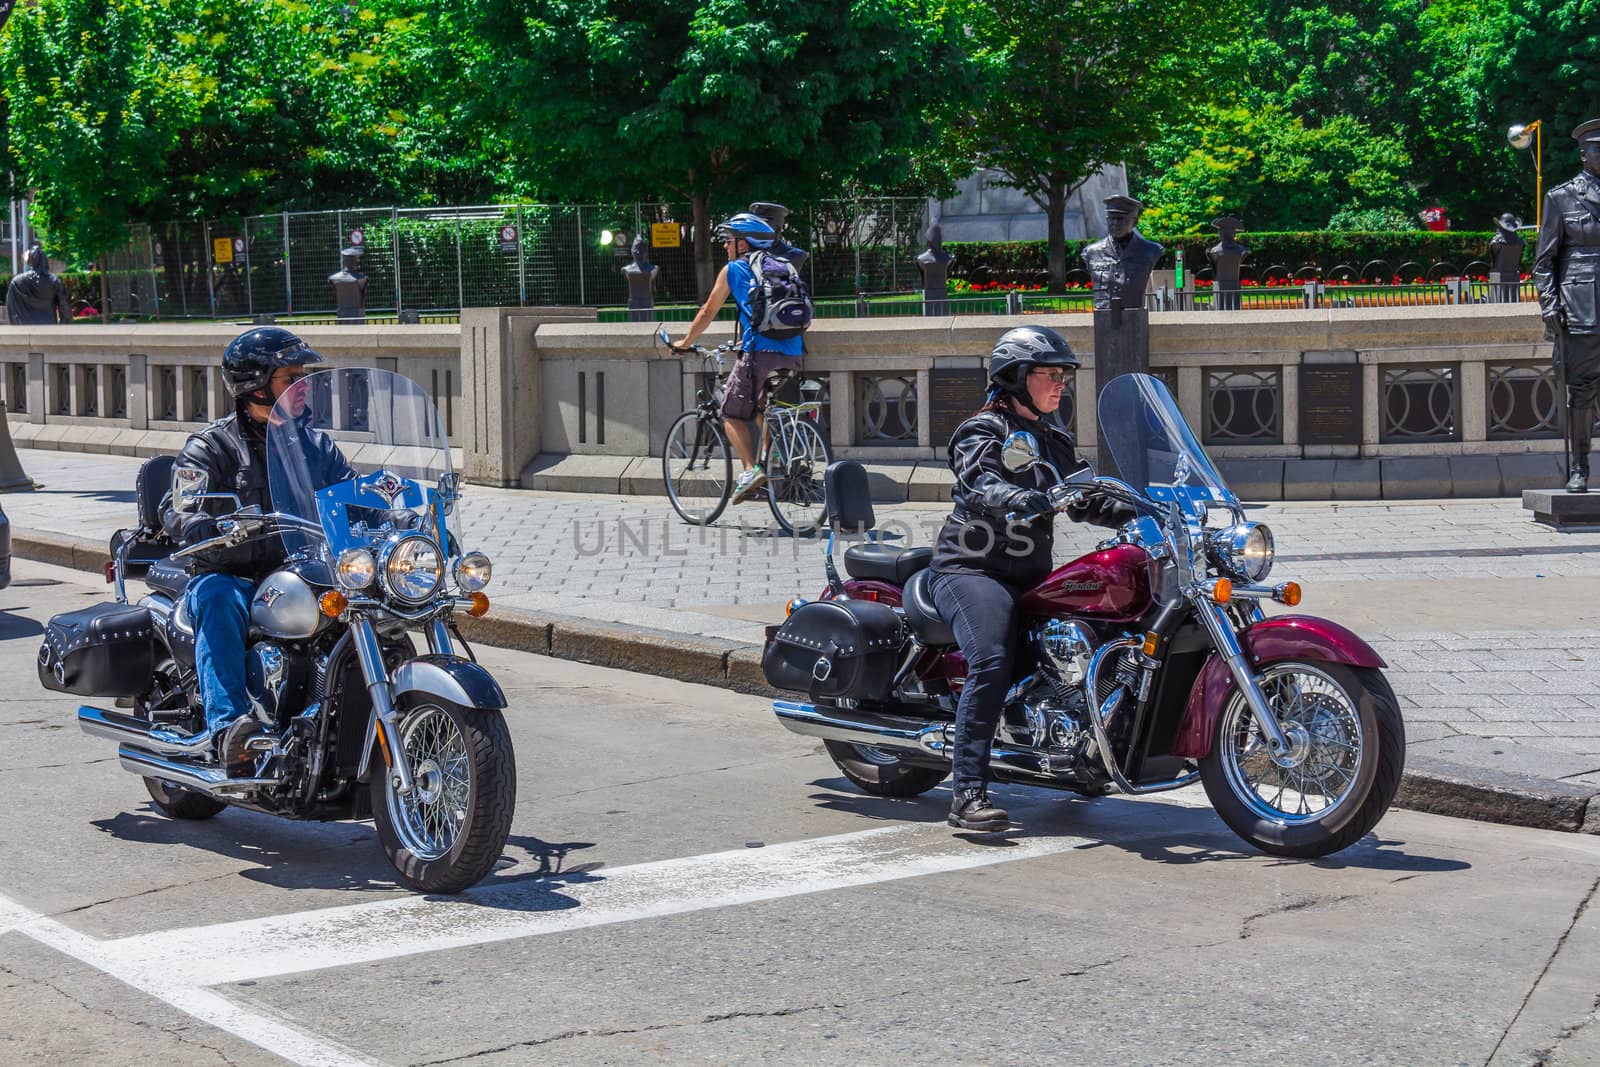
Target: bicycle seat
pixel 885 563
pixel 922 615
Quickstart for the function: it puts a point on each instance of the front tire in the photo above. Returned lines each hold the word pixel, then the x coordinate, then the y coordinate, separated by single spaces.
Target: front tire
pixel 880 772
pixel 181 803
pixel 1345 722
pixel 697 467
pixel 446 835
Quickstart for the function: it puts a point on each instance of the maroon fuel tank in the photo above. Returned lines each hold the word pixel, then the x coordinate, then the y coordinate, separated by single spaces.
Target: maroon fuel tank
pixel 1112 585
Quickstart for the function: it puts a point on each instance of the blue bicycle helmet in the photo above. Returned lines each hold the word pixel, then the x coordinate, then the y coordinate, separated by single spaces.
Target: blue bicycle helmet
pixel 753 229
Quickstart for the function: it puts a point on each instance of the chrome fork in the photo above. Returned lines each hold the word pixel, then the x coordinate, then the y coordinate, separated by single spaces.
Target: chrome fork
pixel 1227 642
pixel 384 717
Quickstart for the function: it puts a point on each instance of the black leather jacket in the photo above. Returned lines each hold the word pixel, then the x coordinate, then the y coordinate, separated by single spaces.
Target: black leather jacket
pixel 976 538
pixel 227 457
pixel 1566 267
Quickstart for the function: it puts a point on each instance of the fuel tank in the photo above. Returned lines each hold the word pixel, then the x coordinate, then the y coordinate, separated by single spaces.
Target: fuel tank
pixel 285 607
pixel 1112 585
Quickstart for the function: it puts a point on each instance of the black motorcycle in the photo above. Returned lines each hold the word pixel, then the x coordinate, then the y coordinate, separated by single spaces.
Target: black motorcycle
pixel 356 724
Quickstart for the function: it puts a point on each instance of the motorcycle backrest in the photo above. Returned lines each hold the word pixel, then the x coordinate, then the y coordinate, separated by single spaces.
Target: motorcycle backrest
pixel 848 497
pixel 152 485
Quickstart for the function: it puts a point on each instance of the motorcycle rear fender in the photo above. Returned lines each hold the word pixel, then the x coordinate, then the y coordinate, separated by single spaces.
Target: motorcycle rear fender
pixel 869 589
pixel 449 678
pixel 1274 640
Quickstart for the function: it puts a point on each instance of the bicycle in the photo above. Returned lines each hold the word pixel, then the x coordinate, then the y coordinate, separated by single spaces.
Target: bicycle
pixel 697 463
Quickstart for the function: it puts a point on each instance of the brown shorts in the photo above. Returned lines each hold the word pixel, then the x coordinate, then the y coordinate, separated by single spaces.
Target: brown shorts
pixel 746 392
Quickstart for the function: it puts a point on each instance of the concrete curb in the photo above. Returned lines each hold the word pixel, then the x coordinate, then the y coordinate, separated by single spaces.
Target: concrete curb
pixel 1428 785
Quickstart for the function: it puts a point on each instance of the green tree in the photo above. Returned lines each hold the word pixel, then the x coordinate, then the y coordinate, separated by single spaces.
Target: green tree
pixel 1074 87
pixel 716 102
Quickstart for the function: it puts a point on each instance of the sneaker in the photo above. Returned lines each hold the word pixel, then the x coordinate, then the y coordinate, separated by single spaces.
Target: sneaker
pixel 747 483
pixel 971 809
pixel 236 758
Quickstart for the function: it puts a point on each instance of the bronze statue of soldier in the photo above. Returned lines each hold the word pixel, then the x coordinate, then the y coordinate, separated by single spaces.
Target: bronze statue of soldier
pixel 36 297
pixel 1120 263
pixel 777 216
pixel 349 288
pixel 1505 259
pixel 1226 256
pixel 641 275
pixel 1566 272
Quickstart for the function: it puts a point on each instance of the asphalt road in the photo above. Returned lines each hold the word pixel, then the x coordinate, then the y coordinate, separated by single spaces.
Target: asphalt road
pixel 686 882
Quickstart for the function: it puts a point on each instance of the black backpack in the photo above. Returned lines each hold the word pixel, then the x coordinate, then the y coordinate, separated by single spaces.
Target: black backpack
pixel 780 304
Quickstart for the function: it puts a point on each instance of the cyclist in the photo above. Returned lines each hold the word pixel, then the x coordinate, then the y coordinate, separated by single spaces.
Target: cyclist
pixel 759 357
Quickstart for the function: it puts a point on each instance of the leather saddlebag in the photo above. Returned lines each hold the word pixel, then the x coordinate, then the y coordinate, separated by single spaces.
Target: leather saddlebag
pixel 836 649
pixel 107 650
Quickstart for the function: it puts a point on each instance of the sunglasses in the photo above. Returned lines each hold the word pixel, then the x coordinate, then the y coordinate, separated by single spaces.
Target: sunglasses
pixel 1054 377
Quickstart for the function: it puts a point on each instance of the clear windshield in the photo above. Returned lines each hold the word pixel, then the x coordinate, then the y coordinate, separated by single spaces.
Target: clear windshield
pixel 1152 445
pixel 361 453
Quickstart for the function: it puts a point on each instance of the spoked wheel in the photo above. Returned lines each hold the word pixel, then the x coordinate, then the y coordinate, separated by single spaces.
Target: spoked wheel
pixel 1340 775
pixel 447 833
pixel 881 771
pixel 794 481
pixel 697 468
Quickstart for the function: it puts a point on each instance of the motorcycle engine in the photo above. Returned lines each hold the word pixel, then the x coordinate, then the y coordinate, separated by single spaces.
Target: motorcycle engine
pixel 266 680
pixel 1049 713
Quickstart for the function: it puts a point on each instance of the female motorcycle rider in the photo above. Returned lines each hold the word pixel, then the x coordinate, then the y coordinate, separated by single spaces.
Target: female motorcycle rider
pixel 982 563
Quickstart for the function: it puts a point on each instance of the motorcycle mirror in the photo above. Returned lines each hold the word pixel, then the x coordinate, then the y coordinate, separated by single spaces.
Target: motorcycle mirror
pixel 1021 451
pixel 252 509
pixel 1081 476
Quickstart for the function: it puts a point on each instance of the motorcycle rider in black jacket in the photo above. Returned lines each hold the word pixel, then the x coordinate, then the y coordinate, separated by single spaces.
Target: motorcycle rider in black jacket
pixel 983 562
pixel 230 456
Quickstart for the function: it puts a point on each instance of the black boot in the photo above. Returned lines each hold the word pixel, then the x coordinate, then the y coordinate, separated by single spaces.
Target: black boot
pixel 234 756
pixel 1580 434
pixel 971 809
pixel 1579 482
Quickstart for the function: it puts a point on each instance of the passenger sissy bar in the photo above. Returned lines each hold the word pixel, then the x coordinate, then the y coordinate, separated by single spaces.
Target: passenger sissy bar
pixel 848 500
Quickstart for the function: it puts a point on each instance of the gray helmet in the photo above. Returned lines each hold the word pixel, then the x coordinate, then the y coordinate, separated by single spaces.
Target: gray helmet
pixel 1023 348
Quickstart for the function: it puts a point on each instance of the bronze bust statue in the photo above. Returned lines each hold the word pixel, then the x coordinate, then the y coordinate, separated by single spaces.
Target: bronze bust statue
pixel 1120 263
pixel 934 263
pixel 1225 257
pixel 36 297
pixel 1566 272
pixel 641 275
pixel 350 287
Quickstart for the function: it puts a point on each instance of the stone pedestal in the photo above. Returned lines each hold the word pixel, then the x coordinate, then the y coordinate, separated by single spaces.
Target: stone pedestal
pixel 1121 346
pixel 1561 509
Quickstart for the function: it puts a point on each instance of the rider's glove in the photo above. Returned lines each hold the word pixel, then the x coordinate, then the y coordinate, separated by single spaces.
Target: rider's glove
pixel 1032 502
pixel 1100 511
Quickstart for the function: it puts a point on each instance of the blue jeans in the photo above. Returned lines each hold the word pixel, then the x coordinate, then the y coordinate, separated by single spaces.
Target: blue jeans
pixel 220 607
pixel 983 615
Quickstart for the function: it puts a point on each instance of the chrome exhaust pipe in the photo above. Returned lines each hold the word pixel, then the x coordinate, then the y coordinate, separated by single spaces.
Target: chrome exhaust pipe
pixel 213 781
pixel 114 726
pixel 934 740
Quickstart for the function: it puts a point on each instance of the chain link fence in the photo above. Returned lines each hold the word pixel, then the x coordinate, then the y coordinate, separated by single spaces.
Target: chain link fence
pixel 433 260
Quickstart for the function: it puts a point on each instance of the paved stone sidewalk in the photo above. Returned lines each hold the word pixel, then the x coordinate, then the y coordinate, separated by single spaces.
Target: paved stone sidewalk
pixel 1490 623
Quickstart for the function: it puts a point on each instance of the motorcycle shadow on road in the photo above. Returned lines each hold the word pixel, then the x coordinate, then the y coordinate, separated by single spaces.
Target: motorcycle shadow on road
pixel 1154 830
pixel 17 627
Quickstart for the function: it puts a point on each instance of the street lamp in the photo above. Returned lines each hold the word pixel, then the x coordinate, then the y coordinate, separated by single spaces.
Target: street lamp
pixel 1521 137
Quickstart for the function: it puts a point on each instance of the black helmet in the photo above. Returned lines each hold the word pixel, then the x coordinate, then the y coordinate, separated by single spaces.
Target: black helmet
pixel 250 359
pixel 1025 347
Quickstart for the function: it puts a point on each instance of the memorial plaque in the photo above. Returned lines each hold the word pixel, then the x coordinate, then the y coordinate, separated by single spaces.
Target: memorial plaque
pixel 1330 404
pixel 953 395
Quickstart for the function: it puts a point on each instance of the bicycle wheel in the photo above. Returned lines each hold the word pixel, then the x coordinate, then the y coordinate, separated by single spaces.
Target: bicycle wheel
pixel 697 467
pixel 796 461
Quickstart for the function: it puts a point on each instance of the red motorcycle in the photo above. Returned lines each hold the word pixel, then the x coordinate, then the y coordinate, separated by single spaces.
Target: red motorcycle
pixel 1143 666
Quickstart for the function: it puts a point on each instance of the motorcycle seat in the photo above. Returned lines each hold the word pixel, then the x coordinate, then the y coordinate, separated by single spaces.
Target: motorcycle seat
pixel 922 615
pixel 885 562
pixel 167 577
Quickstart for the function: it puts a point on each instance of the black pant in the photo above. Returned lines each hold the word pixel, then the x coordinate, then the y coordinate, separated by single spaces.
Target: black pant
pixel 983 613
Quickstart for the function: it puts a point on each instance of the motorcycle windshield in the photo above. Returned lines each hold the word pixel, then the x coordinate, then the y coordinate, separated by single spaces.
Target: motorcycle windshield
pixel 1152 445
pixel 361 454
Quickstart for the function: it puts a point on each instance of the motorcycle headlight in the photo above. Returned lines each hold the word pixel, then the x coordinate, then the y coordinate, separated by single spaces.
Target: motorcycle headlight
pixel 472 572
pixel 356 568
pixel 412 569
pixel 1244 550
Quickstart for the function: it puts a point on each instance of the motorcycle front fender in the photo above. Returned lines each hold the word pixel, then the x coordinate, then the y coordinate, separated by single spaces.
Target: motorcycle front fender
pixel 1274 640
pixel 449 678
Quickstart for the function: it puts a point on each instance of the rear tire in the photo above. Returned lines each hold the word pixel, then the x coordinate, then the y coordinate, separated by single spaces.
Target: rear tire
pixel 181 803
pixel 880 772
pixel 795 492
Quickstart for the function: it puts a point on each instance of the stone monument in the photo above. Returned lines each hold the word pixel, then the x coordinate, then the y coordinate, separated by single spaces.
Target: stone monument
pixel 1564 273
pixel 36 297
pixel 776 215
pixel 1505 260
pixel 934 263
pixel 350 288
pixel 642 276
pixel 1225 257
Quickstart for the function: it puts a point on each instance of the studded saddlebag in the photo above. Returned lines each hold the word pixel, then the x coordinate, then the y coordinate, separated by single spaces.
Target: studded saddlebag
pixel 107 650
pixel 836 649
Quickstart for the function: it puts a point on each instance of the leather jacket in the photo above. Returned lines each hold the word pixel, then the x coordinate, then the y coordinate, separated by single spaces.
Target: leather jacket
pixel 1566 268
pixel 976 539
pixel 229 456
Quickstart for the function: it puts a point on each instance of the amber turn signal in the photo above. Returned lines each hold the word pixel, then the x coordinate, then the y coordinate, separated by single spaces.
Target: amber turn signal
pixel 1289 593
pixel 1222 591
pixel 1152 641
pixel 480 605
pixel 333 603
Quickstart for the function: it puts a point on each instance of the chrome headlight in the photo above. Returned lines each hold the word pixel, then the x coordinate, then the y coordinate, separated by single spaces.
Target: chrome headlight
pixel 472 572
pixel 413 569
pixel 1244 550
pixel 356 568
